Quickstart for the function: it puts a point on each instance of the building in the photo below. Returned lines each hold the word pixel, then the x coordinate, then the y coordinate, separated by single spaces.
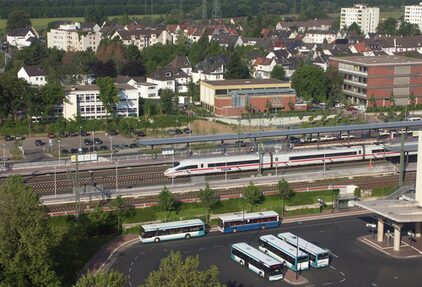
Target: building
pixel 169 78
pixel 85 101
pixel 33 75
pixel 319 37
pixel 366 17
pixel 210 69
pixel 262 67
pixel 21 38
pixel 74 37
pixel 302 26
pixel 231 98
pixel 413 14
pixel 145 90
pixel 380 80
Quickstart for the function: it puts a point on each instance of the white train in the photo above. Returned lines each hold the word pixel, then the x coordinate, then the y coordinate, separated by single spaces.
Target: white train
pixel 232 163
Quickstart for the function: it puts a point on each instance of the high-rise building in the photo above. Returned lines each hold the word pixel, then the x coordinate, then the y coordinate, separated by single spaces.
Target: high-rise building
pixel 366 17
pixel 413 14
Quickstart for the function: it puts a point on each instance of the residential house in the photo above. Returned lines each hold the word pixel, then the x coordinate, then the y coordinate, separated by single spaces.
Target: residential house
pixel 392 45
pixel 319 37
pixel 74 37
pixel 21 38
pixel 302 26
pixel 262 67
pixel 33 75
pixel 145 90
pixel 212 68
pixel 182 63
pixel 169 78
pixel 140 38
pixel 227 41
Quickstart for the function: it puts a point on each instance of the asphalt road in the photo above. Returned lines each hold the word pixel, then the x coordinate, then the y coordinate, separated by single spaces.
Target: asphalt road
pixel 353 263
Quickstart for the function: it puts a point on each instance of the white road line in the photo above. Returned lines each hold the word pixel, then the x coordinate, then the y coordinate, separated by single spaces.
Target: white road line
pixel 131 264
pixel 342 273
pixel 187 251
pixel 342 280
pixel 332 267
pixel 202 248
pixel 136 258
pixel 327 283
pixel 310 285
pixel 336 256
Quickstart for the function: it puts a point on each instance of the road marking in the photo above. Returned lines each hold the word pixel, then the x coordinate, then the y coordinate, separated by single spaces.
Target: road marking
pixel 332 267
pixel 342 273
pixel 187 251
pixel 131 264
pixel 336 256
pixel 342 280
pixel 327 283
pixel 310 285
pixel 202 248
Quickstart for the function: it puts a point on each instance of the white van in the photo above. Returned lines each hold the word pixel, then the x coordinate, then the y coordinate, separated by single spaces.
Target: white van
pixel 414 119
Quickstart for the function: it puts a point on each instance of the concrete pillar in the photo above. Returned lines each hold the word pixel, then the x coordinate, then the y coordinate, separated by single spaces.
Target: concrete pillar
pixel 397 237
pixel 418 229
pixel 380 230
pixel 418 189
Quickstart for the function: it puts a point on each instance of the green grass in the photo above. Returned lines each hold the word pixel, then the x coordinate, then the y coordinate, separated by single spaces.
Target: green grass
pixel 195 210
pixel 382 191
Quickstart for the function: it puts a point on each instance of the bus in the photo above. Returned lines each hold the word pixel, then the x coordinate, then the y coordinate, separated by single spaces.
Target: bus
pixel 294 259
pixel 248 221
pixel 260 263
pixel 172 230
pixel 318 257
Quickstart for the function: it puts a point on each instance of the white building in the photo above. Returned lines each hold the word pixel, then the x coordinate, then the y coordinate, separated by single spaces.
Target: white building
pixel 21 38
pixel 413 14
pixel 366 17
pixel 212 68
pixel 85 101
pixel 74 37
pixel 318 37
pixel 168 78
pixel 33 75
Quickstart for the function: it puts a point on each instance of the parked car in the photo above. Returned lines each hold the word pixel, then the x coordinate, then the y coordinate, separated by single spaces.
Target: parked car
pixel 327 138
pixel 124 146
pixel 140 133
pixel 19 137
pixel 115 146
pixel 175 132
pixel 51 135
pixel 88 142
pixel 85 150
pixel 8 138
pixel 84 134
pixel 187 131
pixel 98 141
pixel 73 134
pixel 352 109
pixel 133 145
pixel 39 143
pixel 64 151
pixel 339 106
pixel 346 136
pixel 404 131
pixel 74 150
pixel 94 148
pixel 113 132
pixel 103 147
pixel 64 135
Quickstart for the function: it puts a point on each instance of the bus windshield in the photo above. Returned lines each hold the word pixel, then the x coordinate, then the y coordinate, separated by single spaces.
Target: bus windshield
pixel 323 256
pixel 220 222
pixel 302 259
pixel 276 270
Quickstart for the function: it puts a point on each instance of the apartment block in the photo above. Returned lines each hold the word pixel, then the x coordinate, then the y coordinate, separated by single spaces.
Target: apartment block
pixel 413 14
pixel 380 77
pixel 366 17
pixel 74 37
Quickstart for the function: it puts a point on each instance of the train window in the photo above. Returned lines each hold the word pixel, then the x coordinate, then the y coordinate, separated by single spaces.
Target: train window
pixel 276 159
pixel 187 167
pixel 321 155
pixel 217 164
pixel 176 164
pixel 202 165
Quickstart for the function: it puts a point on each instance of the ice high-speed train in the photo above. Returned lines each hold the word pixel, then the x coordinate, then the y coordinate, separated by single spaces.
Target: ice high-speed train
pixel 232 163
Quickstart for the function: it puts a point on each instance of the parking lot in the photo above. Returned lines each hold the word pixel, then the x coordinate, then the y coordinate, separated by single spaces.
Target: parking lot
pixel 353 263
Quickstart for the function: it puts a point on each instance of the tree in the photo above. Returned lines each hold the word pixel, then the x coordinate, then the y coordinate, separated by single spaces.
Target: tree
pixel 18 19
pixel 285 191
pixel 174 271
pixel 334 85
pixel 408 29
pixel 95 14
pixel 354 27
pixel 120 209
pixel 102 279
pixel 373 101
pixel 278 73
pixel 253 195
pixel 109 94
pixel 387 27
pixel 132 54
pixel 166 201
pixel 12 95
pixel 392 99
pixel 25 237
pixel 208 199
pixel 309 81
pixel 52 95
pixel 237 69
pixel 169 102
pixel 104 69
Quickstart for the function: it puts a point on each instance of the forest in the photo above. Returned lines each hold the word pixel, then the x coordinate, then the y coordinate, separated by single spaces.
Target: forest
pixel 191 8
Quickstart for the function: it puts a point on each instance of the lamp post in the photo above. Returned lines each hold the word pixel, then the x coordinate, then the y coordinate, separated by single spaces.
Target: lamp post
pixel 372 226
pixel 59 150
pixel 172 164
pixel 117 178
pixel 111 148
pixel 55 181
pixel 4 157
pixel 80 138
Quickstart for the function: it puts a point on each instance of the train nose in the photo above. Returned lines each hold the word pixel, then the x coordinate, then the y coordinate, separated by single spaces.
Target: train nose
pixel 167 172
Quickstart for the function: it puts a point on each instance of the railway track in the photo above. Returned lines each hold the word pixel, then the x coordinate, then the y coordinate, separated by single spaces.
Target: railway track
pixel 366 183
pixel 130 177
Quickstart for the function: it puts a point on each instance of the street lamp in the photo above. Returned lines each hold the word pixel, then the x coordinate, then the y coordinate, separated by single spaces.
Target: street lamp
pixel 372 226
pixel 4 157
pixel 117 178
pixel 80 138
pixel 111 148
pixel 55 181
pixel 59 150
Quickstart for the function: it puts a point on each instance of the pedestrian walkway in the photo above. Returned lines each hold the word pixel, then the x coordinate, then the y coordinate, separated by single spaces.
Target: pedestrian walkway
pixel 409 247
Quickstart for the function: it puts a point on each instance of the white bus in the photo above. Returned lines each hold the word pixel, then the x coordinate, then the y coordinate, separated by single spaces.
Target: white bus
pixel 172 230
pixel 260 263
pixel 294 259
pixel 248 221
pixel 318 257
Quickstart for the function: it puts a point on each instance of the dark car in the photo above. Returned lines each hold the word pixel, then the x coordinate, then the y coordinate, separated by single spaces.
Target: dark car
pixel 8 138
pixel 133 145
pixel 103 147
pixel 124 146
pixel 64 135
pixel 84 134
pixel 98 141
pixel 64 151
pixel 94 148
pixel 74 150
pixel 88 142
pixel 113 132
pixel 51 135
pixel 73 134
pixel 39 143
pixel 115 146
pixel 140 133
pixel 175 132
pixel 295 140
pixel 187 131
pixel 85 150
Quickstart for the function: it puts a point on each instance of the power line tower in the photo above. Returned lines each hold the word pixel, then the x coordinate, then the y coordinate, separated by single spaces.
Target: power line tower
pixel 216 9
pixel 204 10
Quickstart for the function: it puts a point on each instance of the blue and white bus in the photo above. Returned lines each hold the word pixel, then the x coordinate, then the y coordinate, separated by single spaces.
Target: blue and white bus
pixel 248 221
pixel 318 257
pixel 294 259
pixel 172 230
pixel 260 263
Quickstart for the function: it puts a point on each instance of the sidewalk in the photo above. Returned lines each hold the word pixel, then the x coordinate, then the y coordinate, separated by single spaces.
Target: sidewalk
pixel 406 250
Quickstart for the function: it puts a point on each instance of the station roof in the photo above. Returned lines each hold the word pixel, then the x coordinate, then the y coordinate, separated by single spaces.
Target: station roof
pixel 280 133
pixel 399 211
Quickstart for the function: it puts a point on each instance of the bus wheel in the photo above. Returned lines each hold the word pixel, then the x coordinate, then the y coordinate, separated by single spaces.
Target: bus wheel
pixel 263 226
pixel 187 236
pixel 156 240
pixel 261 274
pixel 234 230
pixel 242 262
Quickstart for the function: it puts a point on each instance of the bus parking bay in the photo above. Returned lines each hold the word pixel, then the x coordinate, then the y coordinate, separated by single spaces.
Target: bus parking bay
pixel 353 263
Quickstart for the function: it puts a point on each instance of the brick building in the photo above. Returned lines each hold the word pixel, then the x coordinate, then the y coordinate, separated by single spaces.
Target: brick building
pixel 380 77
pixel 232 98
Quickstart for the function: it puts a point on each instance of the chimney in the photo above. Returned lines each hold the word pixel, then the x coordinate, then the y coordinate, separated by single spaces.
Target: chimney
pixel 418 189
